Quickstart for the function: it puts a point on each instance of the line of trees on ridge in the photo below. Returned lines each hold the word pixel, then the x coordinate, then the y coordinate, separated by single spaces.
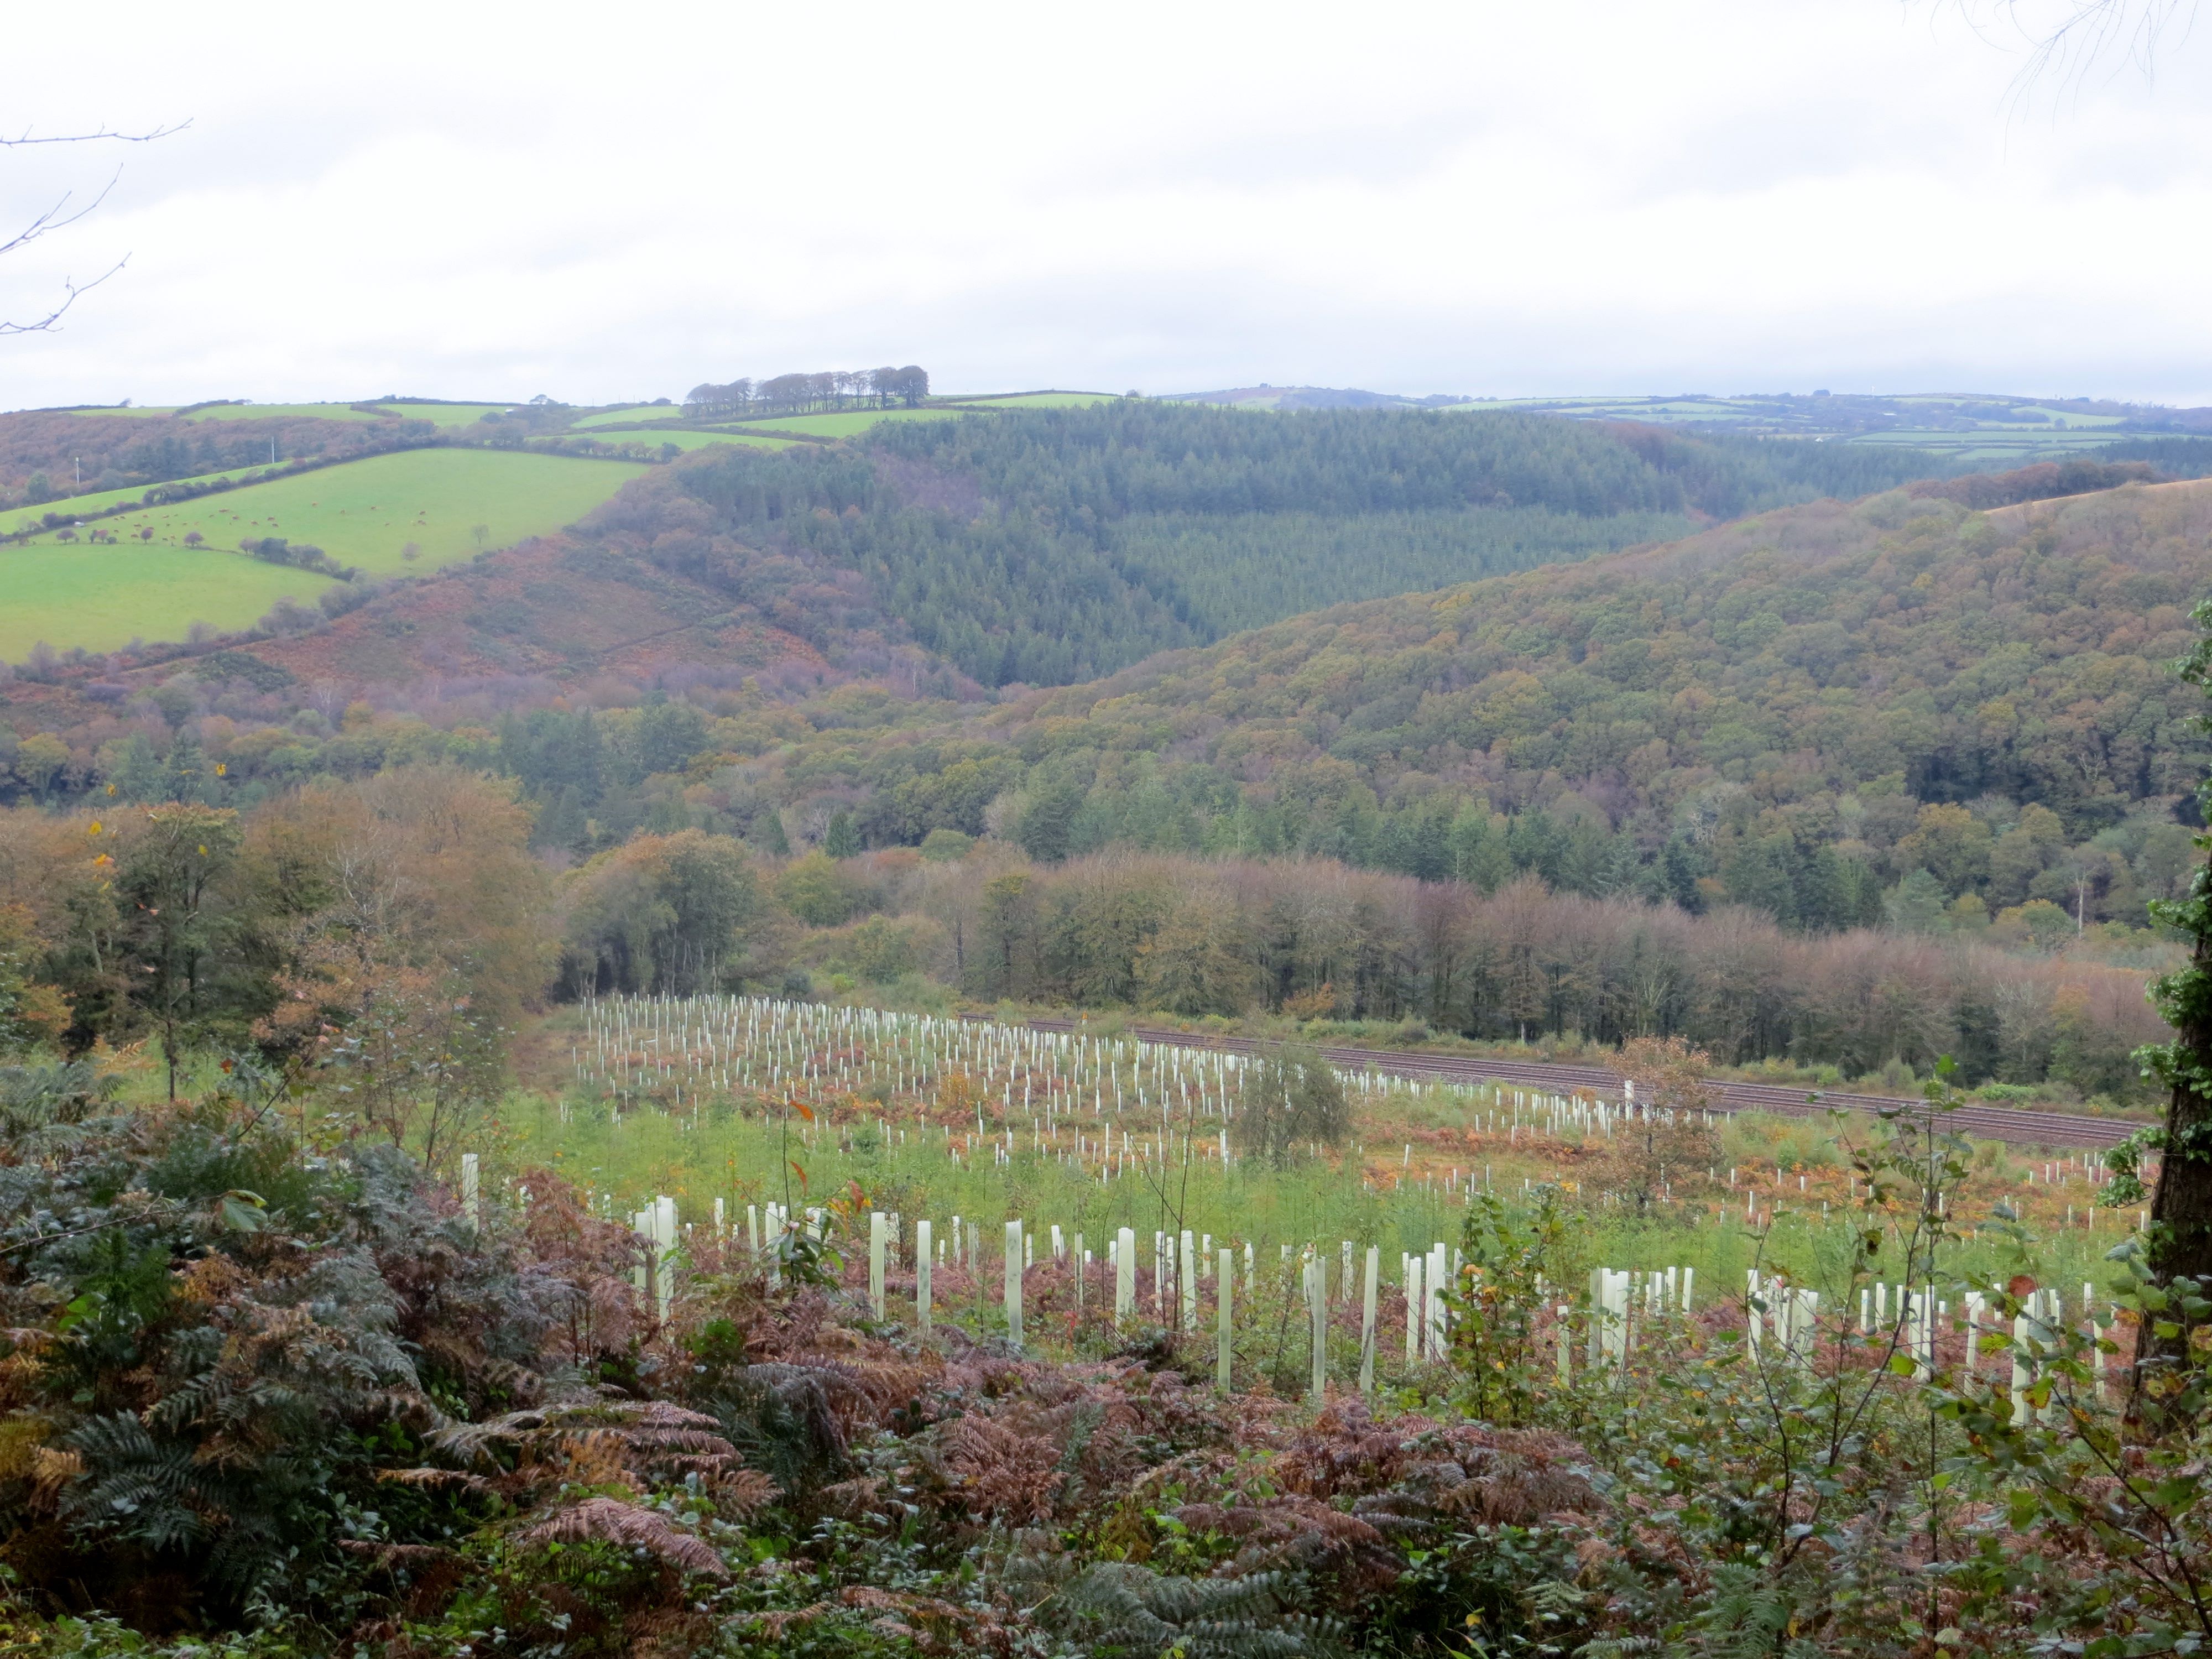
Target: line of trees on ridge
pixel 802 394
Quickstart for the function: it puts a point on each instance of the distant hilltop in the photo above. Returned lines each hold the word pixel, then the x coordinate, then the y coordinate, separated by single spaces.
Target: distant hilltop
pixel 1316 396
pixel 1982 428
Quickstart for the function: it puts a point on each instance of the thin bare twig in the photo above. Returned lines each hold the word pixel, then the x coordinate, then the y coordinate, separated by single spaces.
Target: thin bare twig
pixel 2063 50
pixel 61 215
pixel 54 218
pixel 105 135
pixel 2092 28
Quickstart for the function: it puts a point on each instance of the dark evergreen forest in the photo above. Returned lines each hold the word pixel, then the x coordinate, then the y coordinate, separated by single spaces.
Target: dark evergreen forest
pixel 1065 544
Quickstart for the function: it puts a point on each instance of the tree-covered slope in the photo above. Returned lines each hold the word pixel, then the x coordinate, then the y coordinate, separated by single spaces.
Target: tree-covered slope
pixel 1056 545
pixel 1904 707
pixel 1812 712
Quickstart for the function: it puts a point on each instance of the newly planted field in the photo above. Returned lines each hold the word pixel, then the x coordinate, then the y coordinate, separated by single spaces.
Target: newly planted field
pixel 724 1104
pixel 102 597
pixel 389 514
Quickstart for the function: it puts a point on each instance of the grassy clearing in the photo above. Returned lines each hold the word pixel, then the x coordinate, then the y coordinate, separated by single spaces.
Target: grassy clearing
pixel 366 512
pixel 100 597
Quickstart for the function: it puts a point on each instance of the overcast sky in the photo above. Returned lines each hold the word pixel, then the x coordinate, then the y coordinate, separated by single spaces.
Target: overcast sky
pixel 612 202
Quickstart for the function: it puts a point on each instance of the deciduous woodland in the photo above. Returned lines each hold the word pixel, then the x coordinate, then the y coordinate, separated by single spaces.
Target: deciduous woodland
pixel 396 1261
pixel 1903 711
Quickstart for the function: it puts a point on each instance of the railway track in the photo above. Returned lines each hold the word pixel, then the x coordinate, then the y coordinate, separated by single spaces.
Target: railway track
pixel 2054 1129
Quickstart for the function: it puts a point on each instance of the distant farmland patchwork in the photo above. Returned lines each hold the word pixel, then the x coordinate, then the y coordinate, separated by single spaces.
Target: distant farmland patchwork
pixel 445 504
pixel 443 415
pixel 413 512
pixel 393 514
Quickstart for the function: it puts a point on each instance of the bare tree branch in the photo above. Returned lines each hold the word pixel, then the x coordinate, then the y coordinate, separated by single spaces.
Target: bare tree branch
pixel 95 137
pixel 73 291
pixel 56 217
pixel 61 214
pixel 2066 39
pixel 2091 30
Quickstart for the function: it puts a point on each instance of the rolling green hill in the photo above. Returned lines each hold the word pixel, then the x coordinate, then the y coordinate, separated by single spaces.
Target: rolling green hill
pixel 443 504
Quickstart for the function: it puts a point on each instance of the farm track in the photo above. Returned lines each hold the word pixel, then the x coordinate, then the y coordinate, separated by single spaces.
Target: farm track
pixel 1989 1122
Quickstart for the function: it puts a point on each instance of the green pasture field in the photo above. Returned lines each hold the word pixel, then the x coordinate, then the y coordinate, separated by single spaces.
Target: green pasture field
pixel 627 415
pixel 1035 400
pixel 1641 409
pixel 2075 418
pixel 101 500
pixel 845 422
pixel 2015 446
pixel 687 440
pixel 364 513
pixel 102 597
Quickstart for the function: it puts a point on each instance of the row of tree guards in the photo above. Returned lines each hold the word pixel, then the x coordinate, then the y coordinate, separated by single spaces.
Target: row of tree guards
pixel 1186 1270
pixel 1918 1325
pixel 1108 1106
pixel 683 1053
pixel 1782 1320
